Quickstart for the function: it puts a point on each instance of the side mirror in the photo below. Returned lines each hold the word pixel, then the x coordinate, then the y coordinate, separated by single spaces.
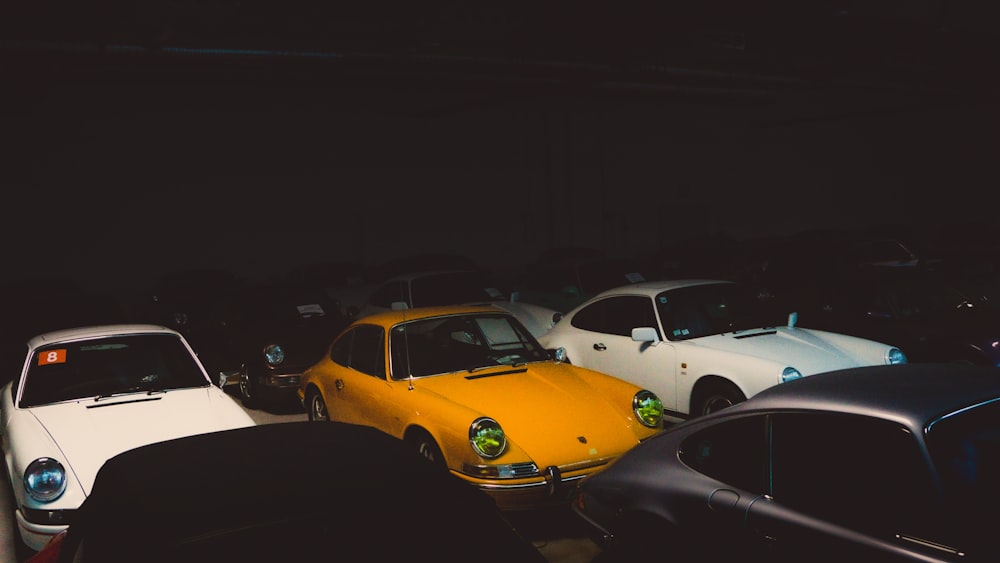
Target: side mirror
pixel 646 334
pixel 793 318
pixel 399 305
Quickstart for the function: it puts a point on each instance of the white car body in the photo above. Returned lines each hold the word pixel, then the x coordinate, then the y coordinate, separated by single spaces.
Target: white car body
pixel 681 367
pixel 83 432
pixel 398 293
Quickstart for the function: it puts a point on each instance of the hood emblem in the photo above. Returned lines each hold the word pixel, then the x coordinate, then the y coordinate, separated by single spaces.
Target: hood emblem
pixel 582 439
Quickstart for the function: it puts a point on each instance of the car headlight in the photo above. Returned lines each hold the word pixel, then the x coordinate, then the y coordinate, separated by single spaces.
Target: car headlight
pixel 274 354
pixel 789 374
pixel 895 356
pixel 45 479
pixel 559 354
pixel 648 408
pixel 487 438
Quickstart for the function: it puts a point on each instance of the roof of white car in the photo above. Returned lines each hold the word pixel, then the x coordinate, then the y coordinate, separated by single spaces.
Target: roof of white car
pixel 652 288
pixel 97 331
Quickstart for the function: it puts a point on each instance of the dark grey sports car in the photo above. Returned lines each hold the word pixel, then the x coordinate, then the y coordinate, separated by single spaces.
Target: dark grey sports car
pixel 285 492
pixel 883 463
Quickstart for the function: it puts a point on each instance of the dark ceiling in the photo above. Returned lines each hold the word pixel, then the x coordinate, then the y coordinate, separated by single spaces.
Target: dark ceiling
pixel 923 44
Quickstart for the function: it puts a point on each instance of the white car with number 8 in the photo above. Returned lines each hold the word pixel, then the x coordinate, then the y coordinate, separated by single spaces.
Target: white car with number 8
pixel 87 394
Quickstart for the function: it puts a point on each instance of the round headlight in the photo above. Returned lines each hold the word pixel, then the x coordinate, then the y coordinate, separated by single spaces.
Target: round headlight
pixel 559 354
pixel 648 408
pixel 895 356
pixel 487 438
pixel 789 374
pixel 45 479
pixel 274 354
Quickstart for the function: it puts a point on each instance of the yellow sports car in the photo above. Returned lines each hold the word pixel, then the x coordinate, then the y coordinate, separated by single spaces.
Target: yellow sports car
pixel 473 391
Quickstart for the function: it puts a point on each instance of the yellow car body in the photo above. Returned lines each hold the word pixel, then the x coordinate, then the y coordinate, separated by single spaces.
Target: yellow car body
pixel 430 385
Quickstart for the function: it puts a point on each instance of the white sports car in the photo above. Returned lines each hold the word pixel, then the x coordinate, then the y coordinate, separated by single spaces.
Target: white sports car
pixel 701 345
pixel 87 394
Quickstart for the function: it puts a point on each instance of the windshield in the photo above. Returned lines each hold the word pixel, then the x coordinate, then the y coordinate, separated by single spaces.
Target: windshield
pixel 702 310
pixel 106 366
pixel 461 343
pixel 965 448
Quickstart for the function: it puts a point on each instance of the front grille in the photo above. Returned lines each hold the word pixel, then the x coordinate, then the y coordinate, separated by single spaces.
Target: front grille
pixel 527 469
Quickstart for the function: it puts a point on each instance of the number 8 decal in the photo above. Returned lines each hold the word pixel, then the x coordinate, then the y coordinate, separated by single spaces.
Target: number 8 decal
pixel 52 357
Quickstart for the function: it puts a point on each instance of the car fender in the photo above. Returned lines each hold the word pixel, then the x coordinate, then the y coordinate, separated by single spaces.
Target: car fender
pixel 25 440
pixel 750 374
pixel 871 351
pixel 448 422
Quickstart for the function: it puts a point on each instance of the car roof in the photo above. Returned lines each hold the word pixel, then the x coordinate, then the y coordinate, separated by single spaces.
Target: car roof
pixel 652 288
pixel 96 331
pixel 913 394
pixel 374 489
pixel 389 318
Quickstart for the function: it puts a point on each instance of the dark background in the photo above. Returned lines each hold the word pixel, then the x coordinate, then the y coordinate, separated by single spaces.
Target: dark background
pixel 143 137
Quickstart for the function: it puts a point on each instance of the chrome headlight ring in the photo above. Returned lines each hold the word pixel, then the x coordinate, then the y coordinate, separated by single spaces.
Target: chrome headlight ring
pixel 274 354
pixel 790 373
pixel 895 356
pixel 648 408
pixel 45 479
pixel 487 438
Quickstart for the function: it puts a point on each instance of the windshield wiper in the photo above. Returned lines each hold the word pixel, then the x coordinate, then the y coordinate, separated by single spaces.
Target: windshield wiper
pixel 147 389
pixel 477 368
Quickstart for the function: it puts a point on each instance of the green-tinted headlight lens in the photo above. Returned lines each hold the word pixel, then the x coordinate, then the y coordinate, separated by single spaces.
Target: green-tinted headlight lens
pixel 487 438
pixel 648 408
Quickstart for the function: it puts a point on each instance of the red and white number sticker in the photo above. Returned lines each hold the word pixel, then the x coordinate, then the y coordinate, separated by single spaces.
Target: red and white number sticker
pixel 52 357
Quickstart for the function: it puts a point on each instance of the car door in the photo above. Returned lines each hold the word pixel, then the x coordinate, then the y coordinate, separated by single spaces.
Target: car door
pixel 604 343
pixel 359 383
pixel 847 488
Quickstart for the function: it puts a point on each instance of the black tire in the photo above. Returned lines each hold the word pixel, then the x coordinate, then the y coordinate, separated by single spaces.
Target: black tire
pixel 316 407
pixel 425 445
pixel 715 395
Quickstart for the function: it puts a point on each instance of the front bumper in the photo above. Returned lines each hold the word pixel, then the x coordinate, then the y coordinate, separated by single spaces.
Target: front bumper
pixel 553 488
pixel 35 536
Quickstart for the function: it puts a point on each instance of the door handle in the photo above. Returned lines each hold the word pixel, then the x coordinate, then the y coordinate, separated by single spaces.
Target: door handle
pixel 339 384
pixel 600 346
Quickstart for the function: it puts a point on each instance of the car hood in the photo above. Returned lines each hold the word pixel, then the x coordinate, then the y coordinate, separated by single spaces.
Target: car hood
pixel 557 413
pixel 806 350
pixel 89 433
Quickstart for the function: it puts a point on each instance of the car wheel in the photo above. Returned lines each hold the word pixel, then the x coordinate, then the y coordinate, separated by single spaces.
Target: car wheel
pixel 247 392
pixel 428 448
pixel 715 395
pixel 317 408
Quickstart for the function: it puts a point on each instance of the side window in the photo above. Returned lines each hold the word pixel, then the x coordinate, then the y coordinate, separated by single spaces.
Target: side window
pixel 367 351
pixel 592 317
pixel 858 471
pixel 616 315
pixel 733 452
pixel 341 351
pixel 387 294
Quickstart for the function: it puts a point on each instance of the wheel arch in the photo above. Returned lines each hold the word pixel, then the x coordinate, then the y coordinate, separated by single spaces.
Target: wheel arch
pixel 707 382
